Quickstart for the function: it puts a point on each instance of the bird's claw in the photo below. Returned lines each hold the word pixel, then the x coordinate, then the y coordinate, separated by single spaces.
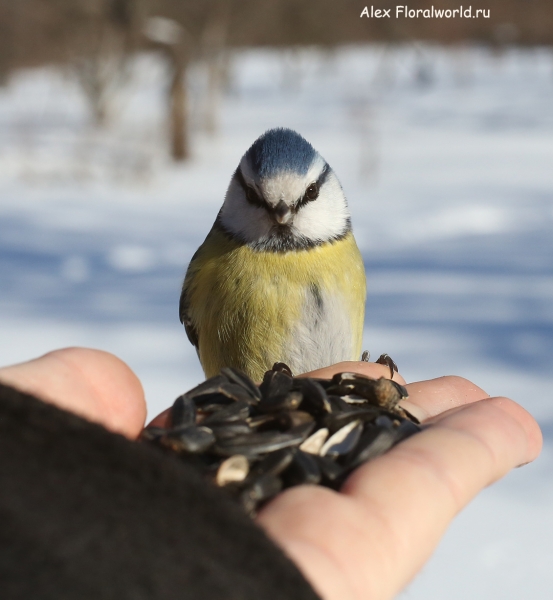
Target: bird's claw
pixel 384 359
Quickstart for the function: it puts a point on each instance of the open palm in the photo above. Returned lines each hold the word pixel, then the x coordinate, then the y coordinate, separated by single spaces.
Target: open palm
pixel 371 538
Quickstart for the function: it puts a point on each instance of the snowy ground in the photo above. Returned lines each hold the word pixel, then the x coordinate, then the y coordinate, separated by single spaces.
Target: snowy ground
pixel 447 160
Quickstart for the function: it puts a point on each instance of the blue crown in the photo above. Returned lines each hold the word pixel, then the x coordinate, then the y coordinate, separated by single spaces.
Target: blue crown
pixel 280 150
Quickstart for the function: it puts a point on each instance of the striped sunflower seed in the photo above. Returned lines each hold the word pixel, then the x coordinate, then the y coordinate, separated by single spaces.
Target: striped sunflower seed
pixel 253 441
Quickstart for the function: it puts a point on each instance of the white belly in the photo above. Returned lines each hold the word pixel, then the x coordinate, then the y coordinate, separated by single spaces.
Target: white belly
pixel 323 336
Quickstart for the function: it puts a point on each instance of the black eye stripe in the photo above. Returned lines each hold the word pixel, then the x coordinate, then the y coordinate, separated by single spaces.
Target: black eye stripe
pixel 319 183
pixel 251 195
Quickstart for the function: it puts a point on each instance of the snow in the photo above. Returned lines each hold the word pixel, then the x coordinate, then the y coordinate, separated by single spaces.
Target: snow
pixel 446 158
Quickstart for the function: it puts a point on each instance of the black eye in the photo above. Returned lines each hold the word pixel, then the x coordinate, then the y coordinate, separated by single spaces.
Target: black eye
pixel 312 191
pixel 252 197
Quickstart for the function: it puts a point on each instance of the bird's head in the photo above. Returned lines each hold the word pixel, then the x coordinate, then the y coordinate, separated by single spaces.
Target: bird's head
pixel 284 196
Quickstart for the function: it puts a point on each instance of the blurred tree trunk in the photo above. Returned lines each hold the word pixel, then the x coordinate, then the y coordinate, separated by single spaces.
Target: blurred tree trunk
pixel 178 119
pixel 175 44
pixel 101 58
pixel 215 51
pixel 6 42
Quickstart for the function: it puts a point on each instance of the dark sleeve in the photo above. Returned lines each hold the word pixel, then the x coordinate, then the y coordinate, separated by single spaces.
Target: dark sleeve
pixel 87 514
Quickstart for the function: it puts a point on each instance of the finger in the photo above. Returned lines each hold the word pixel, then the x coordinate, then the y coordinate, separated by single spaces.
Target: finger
pixel 377 533
pixel 162 420
pixel 373 370
pixel 95 385
pixel 434 396
pixel 429 479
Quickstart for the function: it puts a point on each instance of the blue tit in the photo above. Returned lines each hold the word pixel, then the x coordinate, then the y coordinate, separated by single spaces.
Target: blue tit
pixel 279 278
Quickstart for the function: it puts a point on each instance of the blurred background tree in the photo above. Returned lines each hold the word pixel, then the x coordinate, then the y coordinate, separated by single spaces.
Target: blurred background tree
pixel 95 39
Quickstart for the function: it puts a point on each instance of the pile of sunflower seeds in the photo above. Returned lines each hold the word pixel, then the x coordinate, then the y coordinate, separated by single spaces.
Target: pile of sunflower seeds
pixel 255 441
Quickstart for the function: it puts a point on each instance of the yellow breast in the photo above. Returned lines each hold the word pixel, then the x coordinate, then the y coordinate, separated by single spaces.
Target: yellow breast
pixel 245 304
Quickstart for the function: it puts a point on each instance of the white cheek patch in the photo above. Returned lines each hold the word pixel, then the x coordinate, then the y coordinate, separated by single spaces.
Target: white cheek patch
pixel 325 217
pixel 238 216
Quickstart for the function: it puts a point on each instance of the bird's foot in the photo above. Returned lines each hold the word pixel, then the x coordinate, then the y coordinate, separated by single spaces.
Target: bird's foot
pixel 282 368
pixel 384 359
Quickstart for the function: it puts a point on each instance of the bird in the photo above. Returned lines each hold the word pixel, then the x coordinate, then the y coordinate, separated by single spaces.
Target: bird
pixel 279 277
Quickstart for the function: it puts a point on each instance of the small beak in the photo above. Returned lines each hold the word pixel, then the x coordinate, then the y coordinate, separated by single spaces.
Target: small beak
pixel 282 213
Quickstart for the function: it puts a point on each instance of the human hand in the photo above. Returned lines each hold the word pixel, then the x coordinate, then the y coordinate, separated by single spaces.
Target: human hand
pixel 93 384
pixel 370 539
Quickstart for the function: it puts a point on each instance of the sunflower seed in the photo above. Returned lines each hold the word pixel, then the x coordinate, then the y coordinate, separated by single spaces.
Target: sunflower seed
pixel 274 463
pixel 282 368
pixel 276 383
pixel 237 411
pixel 381 392
pixel 189 439
pixel 150 434
pixel 347 377
pixel 343 441
pixel 183 412
pixel 374 442
pixel 287 401
pixel 221 392
pixel 281 421
pixel 303 430
pixel 303 470
pixel 338 404
pixel 365 414
pixel 325 383
pixel 264 488
pixel 384 421
pixel 259 443
pixel 406 429
pixel 211 402
pixel 233 469
pixel 260 421
pixel 315 398
pixel 225 431
pixel 236 376
pixel 289 419
pixel 353 399
pixel 237 393
pixel 314 442
pixel 209 386
pixel 355 385
pixel 388 393
pixel 331 471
